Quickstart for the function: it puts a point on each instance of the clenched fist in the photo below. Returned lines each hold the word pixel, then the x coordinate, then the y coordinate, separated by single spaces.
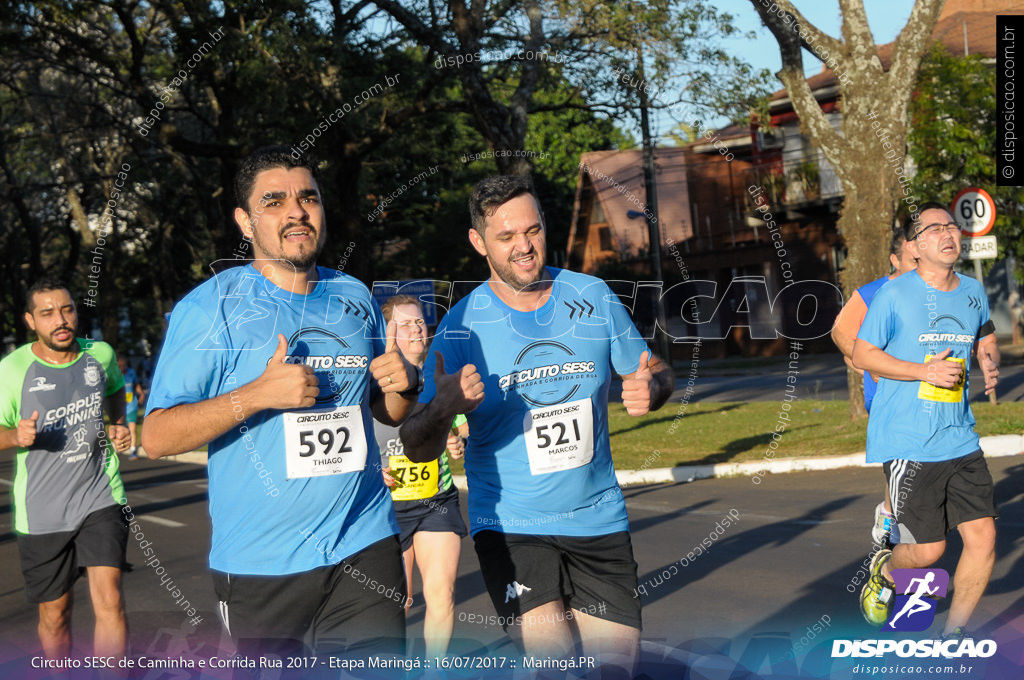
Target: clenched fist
pixel 942 373
pixel 120 436
pixel 456 446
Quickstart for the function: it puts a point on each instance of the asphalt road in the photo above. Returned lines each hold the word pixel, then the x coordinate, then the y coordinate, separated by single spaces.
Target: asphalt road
pixel 821 376
pixel 776 577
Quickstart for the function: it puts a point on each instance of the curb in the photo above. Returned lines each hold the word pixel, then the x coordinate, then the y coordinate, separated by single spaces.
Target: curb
pixel 994 447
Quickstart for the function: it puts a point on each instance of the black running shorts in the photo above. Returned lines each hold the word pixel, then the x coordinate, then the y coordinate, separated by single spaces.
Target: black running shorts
pixel 931 499
pixel 595 575
pixel 439 513
pixel 355 608
pixel 52 562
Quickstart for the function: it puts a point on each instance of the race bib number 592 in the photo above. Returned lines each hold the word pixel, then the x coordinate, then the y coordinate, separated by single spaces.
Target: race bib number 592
pixel 326 442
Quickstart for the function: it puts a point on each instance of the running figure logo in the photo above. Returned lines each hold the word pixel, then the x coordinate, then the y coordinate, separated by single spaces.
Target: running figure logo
pixel 917 596
pixel 78 442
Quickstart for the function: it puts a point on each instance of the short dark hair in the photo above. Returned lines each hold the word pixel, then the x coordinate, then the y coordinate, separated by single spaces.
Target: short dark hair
pixel 896 242
pixel 40 286
pixel 389 305
pixel 267 158
pixel 491 192
pixel 912 220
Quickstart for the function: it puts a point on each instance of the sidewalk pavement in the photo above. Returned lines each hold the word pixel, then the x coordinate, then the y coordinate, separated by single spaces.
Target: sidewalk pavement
pixel 742 366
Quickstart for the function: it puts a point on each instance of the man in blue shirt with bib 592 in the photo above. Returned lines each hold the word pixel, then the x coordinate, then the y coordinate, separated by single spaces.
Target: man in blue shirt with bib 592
pixel 279 365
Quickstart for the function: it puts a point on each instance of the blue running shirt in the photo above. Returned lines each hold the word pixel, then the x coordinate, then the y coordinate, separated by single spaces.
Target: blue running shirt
pixel 538 459
pixel 131 399
pixel 289 490
pixel 912 321
pixel 867 294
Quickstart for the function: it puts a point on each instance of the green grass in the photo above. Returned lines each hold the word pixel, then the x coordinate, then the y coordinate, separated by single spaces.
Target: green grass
pixel 730 432
pixel 740 431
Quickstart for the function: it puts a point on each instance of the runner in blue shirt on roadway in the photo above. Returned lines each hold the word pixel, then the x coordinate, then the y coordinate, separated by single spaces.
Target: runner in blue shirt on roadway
pixel 134 395
pixel 844 335
pixel 918 336
pixel 281 367
pixel 528 357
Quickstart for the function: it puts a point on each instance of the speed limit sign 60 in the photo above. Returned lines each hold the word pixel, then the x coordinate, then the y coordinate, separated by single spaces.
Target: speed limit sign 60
pixel 975 210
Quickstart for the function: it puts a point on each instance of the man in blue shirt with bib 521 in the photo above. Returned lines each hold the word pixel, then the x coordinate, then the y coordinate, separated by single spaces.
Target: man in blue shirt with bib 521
pixel 531 352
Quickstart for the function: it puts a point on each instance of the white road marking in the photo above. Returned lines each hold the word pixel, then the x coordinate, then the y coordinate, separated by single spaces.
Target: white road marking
pixel 161 521
pixel 149 518
pixel 664 510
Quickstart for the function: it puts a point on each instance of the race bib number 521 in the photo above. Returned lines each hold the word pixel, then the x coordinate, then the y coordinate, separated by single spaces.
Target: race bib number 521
pixel 560 437
pixel 326 442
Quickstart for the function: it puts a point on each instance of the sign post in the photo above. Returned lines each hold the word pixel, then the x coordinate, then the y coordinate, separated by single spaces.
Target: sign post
pixel 975 210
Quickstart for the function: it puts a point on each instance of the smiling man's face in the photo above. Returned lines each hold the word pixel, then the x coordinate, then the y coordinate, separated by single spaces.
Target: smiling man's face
pixel 285 219
pixel 513 242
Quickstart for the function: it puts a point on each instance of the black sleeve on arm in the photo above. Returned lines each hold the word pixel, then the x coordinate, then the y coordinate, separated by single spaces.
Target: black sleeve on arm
pixel 987 328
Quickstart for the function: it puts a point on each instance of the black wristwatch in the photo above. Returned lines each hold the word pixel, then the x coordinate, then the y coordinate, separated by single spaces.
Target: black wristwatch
pixel 418 388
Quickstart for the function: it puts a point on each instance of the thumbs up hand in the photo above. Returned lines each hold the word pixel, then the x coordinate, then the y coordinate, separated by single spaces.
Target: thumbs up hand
pixel 391 370
pixel 636 389
pixel 27 430
pixel 284 385
pixel 458 392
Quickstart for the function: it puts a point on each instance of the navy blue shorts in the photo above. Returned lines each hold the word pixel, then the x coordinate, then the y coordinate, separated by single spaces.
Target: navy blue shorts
pixel 438 513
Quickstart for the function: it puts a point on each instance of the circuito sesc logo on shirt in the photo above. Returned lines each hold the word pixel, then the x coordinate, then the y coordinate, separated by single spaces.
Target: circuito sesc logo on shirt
pixel 337 371
pixel 547 373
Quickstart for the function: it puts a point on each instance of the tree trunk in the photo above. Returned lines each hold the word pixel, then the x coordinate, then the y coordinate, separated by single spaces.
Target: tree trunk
pixel 856 386
pixel 868 151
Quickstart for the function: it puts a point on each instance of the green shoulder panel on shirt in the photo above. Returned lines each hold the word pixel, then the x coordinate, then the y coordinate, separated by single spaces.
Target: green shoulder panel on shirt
pixel 12 378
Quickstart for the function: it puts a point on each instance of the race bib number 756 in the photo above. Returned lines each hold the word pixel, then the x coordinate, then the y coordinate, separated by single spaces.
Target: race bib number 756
pixel 325 442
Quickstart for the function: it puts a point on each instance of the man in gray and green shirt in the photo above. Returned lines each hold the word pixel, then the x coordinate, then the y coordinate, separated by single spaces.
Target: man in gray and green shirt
pixel 67 488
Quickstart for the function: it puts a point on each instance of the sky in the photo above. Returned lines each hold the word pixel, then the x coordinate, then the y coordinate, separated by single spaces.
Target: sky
pixel 886 18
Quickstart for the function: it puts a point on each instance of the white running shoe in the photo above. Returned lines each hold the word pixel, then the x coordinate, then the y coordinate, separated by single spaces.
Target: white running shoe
pixel 884 526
